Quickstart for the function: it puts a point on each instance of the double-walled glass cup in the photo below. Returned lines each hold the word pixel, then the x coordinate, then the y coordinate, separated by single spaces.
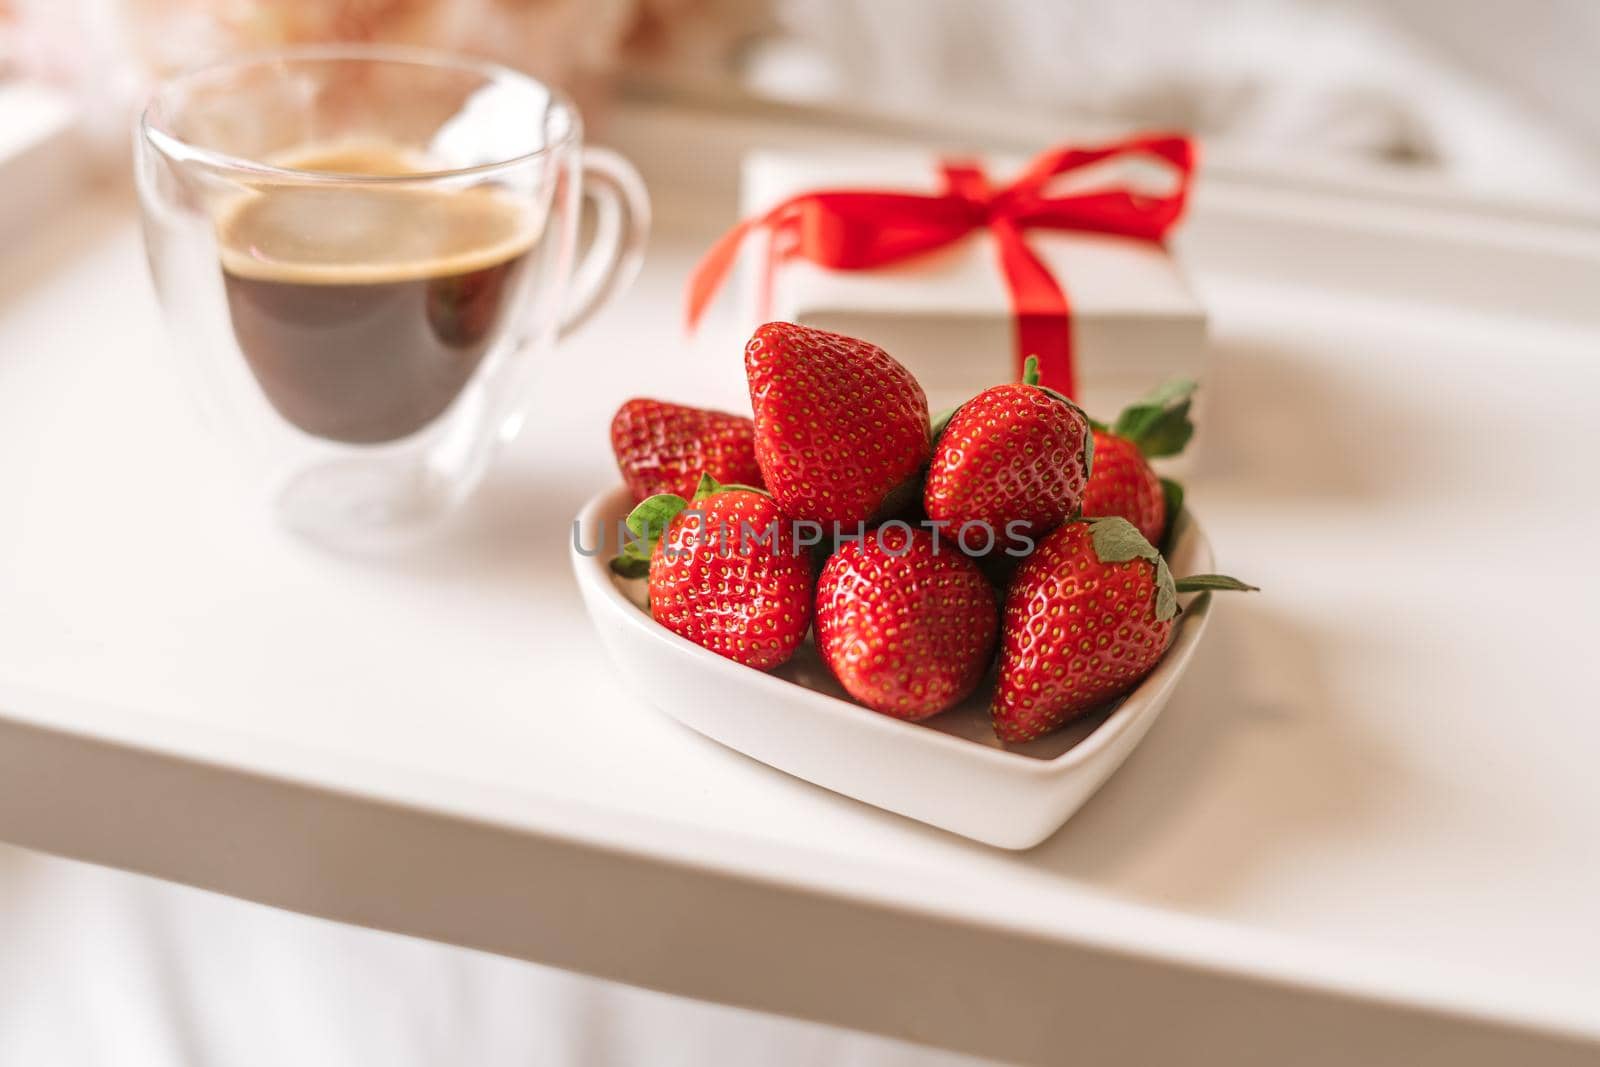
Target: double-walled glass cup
pixel 363 255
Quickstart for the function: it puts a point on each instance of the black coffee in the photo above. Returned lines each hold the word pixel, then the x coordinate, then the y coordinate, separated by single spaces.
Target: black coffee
pixel 364 310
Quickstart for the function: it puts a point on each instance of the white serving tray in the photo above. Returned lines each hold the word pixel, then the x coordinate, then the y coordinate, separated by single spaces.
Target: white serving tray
pixel 1362 830
pixel 949 771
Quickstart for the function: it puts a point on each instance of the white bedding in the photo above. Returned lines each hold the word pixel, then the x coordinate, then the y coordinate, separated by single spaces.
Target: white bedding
pixel 99 968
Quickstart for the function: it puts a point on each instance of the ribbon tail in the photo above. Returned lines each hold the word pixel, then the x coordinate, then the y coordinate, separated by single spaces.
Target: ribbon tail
pixel 1039 309
pixel 713 268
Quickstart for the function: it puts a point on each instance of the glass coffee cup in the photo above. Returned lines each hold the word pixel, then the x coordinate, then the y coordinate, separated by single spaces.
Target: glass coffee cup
pixel 363 254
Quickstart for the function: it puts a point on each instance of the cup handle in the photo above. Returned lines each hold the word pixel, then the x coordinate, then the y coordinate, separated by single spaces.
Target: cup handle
pixel 622 225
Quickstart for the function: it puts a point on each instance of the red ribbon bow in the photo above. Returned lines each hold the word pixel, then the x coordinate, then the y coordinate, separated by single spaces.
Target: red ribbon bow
pixel 862 229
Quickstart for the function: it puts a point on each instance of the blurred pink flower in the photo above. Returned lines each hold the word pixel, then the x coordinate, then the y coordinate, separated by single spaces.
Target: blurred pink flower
pixel 108 51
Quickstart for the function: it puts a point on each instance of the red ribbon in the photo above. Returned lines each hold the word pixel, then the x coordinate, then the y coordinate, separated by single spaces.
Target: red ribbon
pixel 861 229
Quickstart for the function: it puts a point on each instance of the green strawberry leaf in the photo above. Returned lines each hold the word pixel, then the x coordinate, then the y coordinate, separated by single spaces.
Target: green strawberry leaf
pixel 647 522
pixel 940 421
pixel 709 485
pixel 1172 496
pixel 630 566
pixel 1195 583
pixel 1170 392
pixel 1166 594
pixel 901 498
pixel 1116 540
pixel 1172 492
pixel 1168 435
pixel 1159 423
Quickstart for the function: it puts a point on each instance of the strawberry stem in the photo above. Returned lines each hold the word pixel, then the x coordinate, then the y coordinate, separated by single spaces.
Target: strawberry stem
pixel 1030 371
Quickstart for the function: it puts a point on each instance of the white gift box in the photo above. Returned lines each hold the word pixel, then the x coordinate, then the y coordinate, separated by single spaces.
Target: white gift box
pixel 947 314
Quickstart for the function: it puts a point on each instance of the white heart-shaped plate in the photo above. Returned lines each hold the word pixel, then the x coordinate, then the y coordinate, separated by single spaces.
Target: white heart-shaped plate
pixel 949 771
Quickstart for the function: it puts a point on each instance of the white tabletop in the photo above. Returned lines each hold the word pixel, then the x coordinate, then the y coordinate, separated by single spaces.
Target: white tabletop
pixel 1371 808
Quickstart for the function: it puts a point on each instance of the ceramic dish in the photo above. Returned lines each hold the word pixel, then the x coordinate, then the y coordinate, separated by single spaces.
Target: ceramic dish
pixel 949 771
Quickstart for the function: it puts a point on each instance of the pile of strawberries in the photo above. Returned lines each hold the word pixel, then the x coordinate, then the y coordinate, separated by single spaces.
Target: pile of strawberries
pixel 916 548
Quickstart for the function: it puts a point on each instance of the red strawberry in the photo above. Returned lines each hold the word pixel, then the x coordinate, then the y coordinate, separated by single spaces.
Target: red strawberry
pixel 664 448
pixel 724 572
pixel 1087 616
pixel 1122 482
pixel 905 624
pixel 839 424
pixel 1013 459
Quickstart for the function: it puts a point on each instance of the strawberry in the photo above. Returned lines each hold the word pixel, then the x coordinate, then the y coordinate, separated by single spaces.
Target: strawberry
pixel 1122 482
pixel 664 448
pixel 907 625
pixel 1087 616
pixel 839 424
pixel 725 571
pixel 1014 460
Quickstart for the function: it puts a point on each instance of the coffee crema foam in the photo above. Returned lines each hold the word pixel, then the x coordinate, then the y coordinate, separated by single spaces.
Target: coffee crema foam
pixel 369 233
